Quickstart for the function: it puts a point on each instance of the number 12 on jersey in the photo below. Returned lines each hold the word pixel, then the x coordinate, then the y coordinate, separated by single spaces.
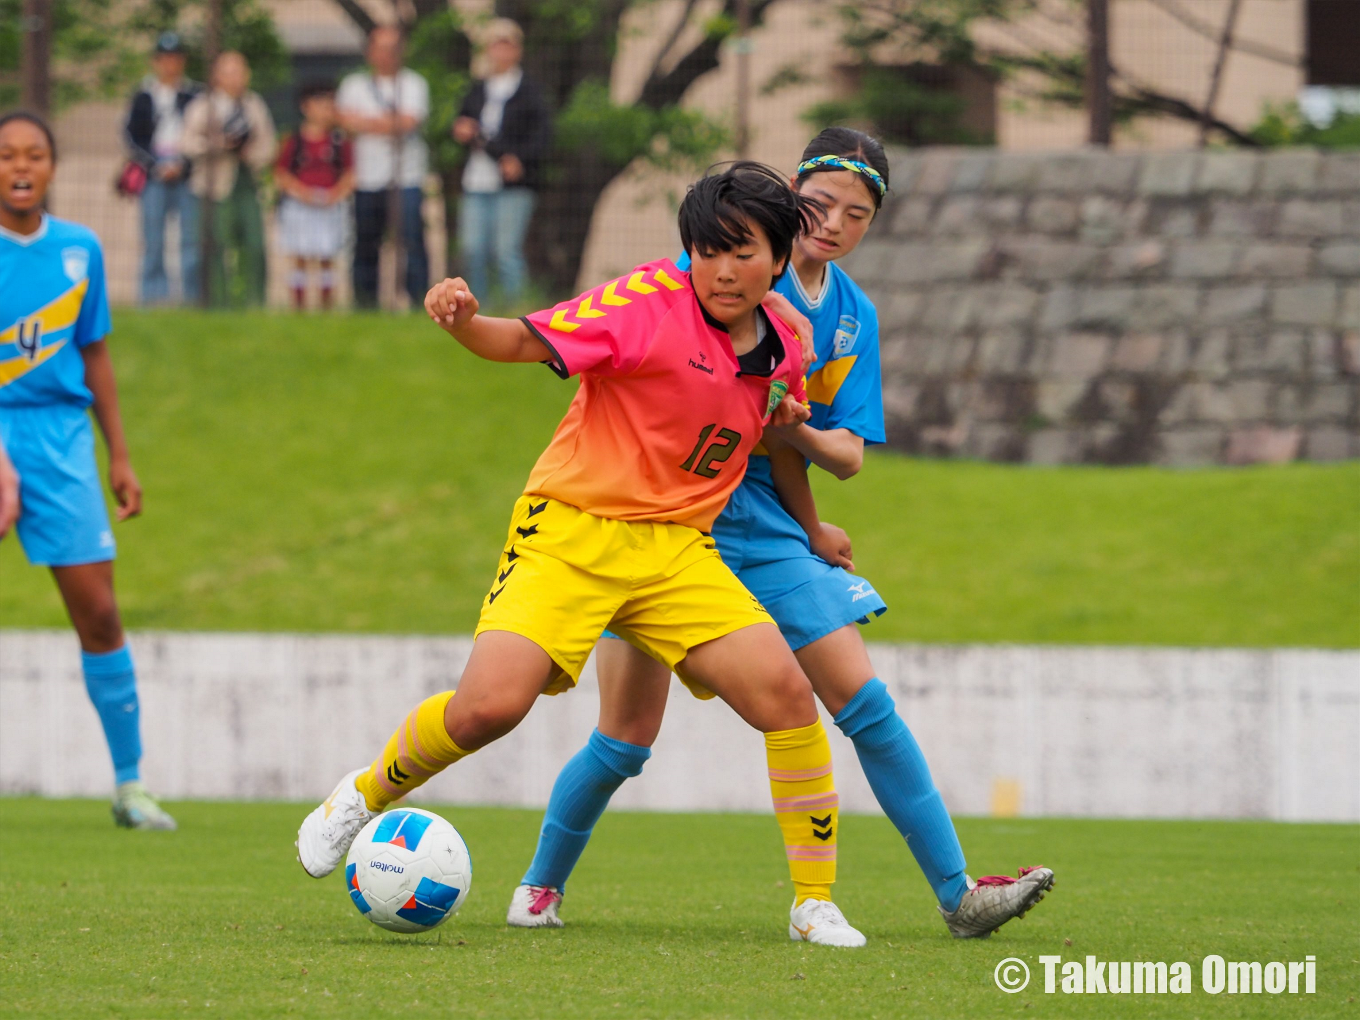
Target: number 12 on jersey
pixel 707 464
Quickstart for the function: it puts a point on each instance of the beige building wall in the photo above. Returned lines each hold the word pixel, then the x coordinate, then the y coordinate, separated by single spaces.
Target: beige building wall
pixel 1149 45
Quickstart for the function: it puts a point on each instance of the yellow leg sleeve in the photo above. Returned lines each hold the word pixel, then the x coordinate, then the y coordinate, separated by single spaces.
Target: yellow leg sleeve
pixel 420 748
pixel 806 806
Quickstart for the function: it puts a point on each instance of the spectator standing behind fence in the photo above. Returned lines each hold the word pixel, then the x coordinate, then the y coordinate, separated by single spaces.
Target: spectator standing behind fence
pixel 154 132
pixel 230 136
pixel 314 175
pixel 384 108
pixel 507 127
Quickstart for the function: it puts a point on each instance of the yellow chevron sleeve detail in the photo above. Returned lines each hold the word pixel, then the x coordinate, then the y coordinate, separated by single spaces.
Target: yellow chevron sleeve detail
pixel 663 278
pixel 559 321
pixel 13 368
pixel 56 314
pixel 610 298
pixel 826 382
pixel 635 283
pixel 584 311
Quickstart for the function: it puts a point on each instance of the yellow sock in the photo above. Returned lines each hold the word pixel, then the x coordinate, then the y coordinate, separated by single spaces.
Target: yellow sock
pixel 806 806
pixel 420 748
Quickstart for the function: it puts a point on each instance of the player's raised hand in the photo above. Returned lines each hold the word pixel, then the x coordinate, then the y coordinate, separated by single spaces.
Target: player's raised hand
pixel 833 545
pixel 451 304
pixel 126 489
pixel 789 414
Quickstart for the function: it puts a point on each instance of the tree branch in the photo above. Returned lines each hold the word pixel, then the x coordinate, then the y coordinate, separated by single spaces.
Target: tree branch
pixel 680 24
pixel 358 15
pixel 668 88
pixel 1207 30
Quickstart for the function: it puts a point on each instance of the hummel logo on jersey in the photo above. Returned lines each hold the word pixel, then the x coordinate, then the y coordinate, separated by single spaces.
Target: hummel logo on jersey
pixel 492 597
pixel 538 509
pixel 708 370
pixel 395 775
pixel 506 573
pixel 526 532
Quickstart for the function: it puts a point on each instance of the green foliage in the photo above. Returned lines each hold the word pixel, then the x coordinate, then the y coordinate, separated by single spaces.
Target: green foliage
pixel 938 31
pixel 670 138
pixel 438 49
pixel 246 26
pixel 670 915
pixel 89 54
pixel 1284 124
pixel 101 47
pixel 897 43
pixel 900 110
pixel 355 473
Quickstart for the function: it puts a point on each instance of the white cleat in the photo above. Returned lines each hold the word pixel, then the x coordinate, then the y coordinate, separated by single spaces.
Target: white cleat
pixel 822 923
pixel 993 900
pixel 534 906
pixel 328 831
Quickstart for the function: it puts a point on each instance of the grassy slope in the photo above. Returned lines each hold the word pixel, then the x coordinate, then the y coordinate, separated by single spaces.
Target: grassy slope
pixel 669 915
pixel 355 473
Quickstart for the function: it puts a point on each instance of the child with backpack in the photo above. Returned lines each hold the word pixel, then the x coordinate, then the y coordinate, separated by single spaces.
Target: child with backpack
pixel 315 176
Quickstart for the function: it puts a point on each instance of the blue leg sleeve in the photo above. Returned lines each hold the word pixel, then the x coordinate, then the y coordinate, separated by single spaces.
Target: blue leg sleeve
pixel 579 797
pixel 900 778
pixel 112 685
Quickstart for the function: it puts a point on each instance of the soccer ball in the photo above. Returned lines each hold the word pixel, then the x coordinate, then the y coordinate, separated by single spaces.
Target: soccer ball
pixel 408 870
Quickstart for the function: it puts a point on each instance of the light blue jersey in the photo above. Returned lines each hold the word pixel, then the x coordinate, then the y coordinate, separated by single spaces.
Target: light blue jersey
pixel 757 538
pixel 53 303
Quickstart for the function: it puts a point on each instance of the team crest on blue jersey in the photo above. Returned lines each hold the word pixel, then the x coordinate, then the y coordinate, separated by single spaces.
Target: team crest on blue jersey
pixel 847 332
pixel 778 389
pixel 76 263
pixel 401 828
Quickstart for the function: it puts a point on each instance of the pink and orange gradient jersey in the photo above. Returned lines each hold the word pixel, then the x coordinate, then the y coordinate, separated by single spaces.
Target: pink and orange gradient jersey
pixel 664 420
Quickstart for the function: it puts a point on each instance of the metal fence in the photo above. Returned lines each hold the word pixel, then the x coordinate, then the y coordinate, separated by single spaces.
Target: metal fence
pixel 642 96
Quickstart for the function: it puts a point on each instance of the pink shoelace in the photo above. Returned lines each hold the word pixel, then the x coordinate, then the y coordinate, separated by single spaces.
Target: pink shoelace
pixel 546 898
pixel 1005 879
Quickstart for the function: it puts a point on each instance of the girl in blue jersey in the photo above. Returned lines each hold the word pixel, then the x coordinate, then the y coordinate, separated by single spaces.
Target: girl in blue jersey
pixel 54 366
pixel 797 566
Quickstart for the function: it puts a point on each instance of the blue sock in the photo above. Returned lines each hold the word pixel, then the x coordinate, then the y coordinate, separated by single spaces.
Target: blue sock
pixel 900 778
pixel 579 797
pixel 112 685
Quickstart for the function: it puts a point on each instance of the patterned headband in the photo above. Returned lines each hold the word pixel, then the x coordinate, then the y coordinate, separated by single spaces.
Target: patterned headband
pixel 853 165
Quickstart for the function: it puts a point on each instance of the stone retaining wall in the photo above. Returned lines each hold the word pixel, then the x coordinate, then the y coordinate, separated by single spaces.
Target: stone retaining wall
pixel 1174 308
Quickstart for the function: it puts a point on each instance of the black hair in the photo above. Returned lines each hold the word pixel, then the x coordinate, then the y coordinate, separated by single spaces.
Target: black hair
pixel 314 88
pixel 720 207
pixel 852 144
pixel 37 122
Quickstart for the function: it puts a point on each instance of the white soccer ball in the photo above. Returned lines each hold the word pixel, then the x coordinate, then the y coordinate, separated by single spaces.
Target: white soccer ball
pixel 408 870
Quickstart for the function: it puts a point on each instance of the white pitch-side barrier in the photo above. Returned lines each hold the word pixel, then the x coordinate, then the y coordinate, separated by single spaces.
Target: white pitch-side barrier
pixel 1077 731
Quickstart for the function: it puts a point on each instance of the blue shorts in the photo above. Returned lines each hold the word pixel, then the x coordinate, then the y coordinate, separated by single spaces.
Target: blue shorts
pixel 62 517
pixel 769 553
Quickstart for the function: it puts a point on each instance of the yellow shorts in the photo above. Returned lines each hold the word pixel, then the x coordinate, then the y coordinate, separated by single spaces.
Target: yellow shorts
pixel 566 575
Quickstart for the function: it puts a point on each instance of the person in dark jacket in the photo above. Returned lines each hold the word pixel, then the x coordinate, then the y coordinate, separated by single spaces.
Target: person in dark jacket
pixel 153 133
pixel 507 127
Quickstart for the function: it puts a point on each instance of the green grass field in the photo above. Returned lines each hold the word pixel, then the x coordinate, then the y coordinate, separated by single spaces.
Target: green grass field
pixel 668 916
pixel 356 474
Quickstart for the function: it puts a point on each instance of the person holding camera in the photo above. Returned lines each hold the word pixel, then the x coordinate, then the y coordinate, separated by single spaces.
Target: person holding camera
pixel 506 125
pixel 229 135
